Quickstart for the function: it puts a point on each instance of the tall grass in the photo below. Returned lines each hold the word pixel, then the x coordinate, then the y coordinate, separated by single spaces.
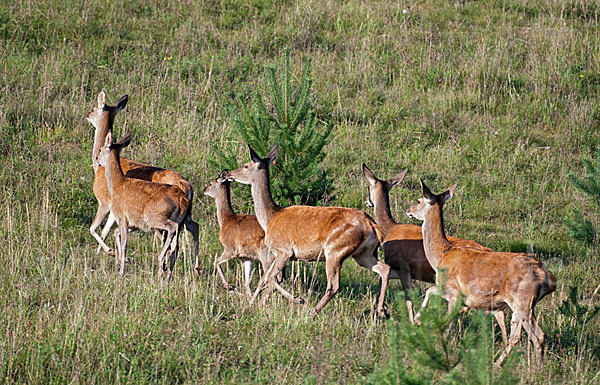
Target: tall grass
pixel 500 97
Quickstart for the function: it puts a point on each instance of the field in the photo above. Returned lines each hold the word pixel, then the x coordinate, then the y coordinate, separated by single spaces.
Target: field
pixel 501 97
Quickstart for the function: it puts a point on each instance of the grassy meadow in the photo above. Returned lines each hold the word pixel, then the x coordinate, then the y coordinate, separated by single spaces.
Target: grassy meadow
pixel 501 97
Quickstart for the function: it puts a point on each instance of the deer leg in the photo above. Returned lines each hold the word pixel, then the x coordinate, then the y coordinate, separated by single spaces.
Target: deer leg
pixel 432 290
pixel 406 281
pixel 102 211
pixel 535 334
pixel 332 268
pixel 273 284
pixel 247 276
pixel 500 317
pixel 261 282
pixel 194 229
pixel 265 262
pixel 171 228
pixel 224 257
pixel 123 249
pixel 173 257
pixel 516 325
pixel 371 262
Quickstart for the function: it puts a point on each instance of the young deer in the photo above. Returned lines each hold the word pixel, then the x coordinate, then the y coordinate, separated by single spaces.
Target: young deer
pixel 403 243
pixel 241 235
pixel 102 118
pixel 489 280
pixel 311 233
pixel 144 205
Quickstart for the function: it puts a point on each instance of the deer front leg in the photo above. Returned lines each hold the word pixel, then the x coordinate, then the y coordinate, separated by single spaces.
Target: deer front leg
pixel 194 229
pixel 225 256
pixel 102 211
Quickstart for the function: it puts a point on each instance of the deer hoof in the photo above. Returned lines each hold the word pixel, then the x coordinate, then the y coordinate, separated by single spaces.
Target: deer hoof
pixel 110 252
pixel 298 300
pixel 230 288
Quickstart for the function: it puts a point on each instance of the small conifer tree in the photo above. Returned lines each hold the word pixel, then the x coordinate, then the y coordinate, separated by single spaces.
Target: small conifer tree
pixel 298 176
pixel 585 228
pixel 438 354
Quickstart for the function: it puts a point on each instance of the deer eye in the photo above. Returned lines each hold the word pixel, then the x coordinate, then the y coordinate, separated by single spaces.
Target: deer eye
pixel 246 166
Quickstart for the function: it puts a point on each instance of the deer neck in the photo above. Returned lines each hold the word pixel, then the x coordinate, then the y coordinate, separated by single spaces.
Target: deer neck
pixel 99 137
pixel 223 203
pixel 434 238
pixel 113 173
pixel 264 206
pixel 381 211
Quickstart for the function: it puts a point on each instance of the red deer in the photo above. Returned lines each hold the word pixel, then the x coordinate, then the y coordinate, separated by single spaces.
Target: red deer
pixel 140 204
pixel 241 235
pixel 488 280
pixel 102 118
pixel 403 243
pixel 307 233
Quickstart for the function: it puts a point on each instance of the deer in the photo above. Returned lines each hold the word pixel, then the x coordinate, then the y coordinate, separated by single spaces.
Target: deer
pixel 102 118
pixel 144 205
pixel 308 233
pixel 488 280
pixel 241 235
pixel 403 243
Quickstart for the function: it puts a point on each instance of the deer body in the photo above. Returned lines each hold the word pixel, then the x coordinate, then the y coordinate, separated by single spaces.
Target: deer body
pixel 139 204
pixel 329 234
pixel 403 243
pixel 102 118
pixel 489 280
pixel 240 234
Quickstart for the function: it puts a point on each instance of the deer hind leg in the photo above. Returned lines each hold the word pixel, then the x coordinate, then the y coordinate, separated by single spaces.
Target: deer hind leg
pixel 101 213
pixel 535 334
pixel 332 268
pixel 174 251
pixel 370 261
pixel 516 325
pixel 500 317
pixel 171 228
pixel 406 281
pixel 247 276
pixel 194 229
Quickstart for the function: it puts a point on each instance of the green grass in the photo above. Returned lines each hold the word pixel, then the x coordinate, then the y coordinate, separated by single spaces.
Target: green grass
pixel 500 97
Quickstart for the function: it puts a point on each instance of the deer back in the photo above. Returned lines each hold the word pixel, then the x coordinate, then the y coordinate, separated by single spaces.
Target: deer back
pixel 145 203
pixel 310 230
pixel 489 278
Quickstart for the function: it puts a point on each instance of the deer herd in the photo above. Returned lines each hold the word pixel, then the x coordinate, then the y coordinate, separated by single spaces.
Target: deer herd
pixel 148 198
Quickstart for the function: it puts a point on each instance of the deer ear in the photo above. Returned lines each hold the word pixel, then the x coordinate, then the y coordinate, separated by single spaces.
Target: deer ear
pixel 448 193
pixel 124 141
pixel 427 194
pixel 253 155
pixel 272 155
pixel 397 179
pixel 101 99
pixel 122 102
pixel 108 139
pixel 223 176
pixel 369 176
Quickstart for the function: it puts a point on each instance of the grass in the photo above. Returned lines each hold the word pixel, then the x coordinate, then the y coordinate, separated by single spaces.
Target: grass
pixel 500 97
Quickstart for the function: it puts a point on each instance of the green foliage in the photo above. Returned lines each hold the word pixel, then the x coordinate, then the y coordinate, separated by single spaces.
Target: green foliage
pixel 441 355
pixel 298 176
pixel 580 228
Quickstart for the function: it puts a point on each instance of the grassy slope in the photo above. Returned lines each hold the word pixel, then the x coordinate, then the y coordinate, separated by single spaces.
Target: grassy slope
pixel 498 96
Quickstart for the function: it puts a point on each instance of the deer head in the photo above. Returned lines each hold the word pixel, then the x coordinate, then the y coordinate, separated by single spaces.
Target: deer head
pixel 420 210
pixel 250 172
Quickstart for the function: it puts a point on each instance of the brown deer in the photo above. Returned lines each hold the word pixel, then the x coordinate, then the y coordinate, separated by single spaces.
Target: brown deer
pixel 403 243
pixel 241 235
pixel 307 233
pixel 488 280
pixel 102 118
pixel 140 204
